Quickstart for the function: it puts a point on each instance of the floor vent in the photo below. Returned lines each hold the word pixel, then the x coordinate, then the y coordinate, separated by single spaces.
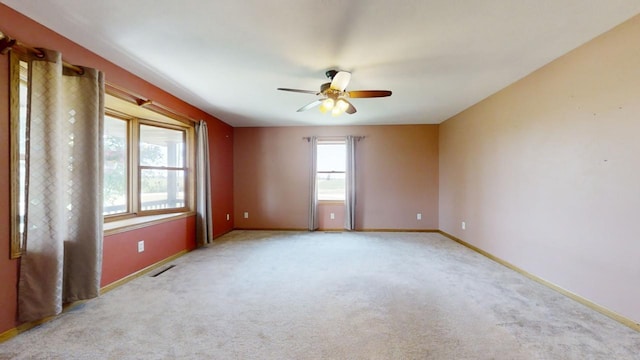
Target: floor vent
pixel 161 271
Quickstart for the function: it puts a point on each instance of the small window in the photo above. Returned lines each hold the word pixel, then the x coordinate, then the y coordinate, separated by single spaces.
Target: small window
pixel 331 169
pixel 116 166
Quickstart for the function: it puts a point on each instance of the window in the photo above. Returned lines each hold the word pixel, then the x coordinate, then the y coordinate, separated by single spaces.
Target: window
pixel 116 166
pixel 331 168
pixel 148 158
pixel 161 167
pixel 147 162
pixel 18 110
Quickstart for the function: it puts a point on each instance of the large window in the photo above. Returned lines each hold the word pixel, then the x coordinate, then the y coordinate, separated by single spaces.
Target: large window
pixel 147 162
pixel 148 158
pixel 331 167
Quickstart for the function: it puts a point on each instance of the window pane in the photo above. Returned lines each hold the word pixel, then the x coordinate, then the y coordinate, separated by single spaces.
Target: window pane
pixel 115 166
pixel 332 157
pixel 161 146
pixel 161 189
pixel 22 142
pixel 331 186
pixel 21 132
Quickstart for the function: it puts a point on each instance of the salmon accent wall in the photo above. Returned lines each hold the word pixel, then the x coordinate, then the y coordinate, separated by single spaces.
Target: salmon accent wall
pixel 546 173
pixel 120 250
pixel 221 162
pixel 397 176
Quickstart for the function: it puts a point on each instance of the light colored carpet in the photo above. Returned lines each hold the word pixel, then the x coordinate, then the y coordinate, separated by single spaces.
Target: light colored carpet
pixel 295 295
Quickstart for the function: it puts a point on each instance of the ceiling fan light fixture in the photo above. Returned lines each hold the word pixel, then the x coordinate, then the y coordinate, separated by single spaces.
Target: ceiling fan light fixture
pixel 327 104
pixel 342 104
pixel 333 95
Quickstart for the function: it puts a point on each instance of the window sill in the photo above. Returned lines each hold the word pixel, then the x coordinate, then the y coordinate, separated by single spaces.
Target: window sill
pixel 119 226
pixel 330 202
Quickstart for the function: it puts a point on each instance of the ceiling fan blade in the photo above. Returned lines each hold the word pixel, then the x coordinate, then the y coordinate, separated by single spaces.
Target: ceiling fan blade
pixel 341 80
pixel 351 109
pixel 368 93
pixel 311 105
pixel 300 91
pixel 324 87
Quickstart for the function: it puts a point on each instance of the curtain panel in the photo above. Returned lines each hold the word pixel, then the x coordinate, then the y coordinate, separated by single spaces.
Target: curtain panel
pixel 204 222
pixel 350 185
pixel 313 185
pixel 62 258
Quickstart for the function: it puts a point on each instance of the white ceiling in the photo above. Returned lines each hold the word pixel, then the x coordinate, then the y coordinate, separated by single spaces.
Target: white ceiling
pixel 227 57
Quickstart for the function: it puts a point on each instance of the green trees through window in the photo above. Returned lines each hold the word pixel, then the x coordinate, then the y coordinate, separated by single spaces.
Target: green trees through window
pixel 116 166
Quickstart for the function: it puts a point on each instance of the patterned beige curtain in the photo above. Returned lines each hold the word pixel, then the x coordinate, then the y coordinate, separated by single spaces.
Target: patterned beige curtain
pixel 62 258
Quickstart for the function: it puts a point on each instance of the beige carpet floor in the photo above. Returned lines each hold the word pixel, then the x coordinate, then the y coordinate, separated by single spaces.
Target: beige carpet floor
pixel 298 295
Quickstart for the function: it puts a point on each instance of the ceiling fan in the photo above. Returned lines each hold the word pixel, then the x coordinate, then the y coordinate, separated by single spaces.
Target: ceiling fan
pixel 334 94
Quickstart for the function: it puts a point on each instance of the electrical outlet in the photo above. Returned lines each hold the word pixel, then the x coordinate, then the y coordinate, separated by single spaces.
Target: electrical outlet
pixel 228 217
pixel 246 214
pixel 140 246
pixel 332 216
pixel 419 216
pixel 463 225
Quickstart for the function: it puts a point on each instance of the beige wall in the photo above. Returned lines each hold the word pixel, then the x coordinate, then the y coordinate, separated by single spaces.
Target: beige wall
pixel 546 173
pixel 397 176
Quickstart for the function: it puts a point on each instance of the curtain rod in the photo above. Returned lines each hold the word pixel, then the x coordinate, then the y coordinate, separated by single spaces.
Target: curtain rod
pixel 7 43
pixel 358 138
pixel 126 95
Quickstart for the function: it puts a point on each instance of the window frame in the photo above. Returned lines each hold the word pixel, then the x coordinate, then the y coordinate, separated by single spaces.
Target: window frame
pixel 114 108
pixel 184 168
pixel 17 187
pixel 129 158
pixel 331 141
